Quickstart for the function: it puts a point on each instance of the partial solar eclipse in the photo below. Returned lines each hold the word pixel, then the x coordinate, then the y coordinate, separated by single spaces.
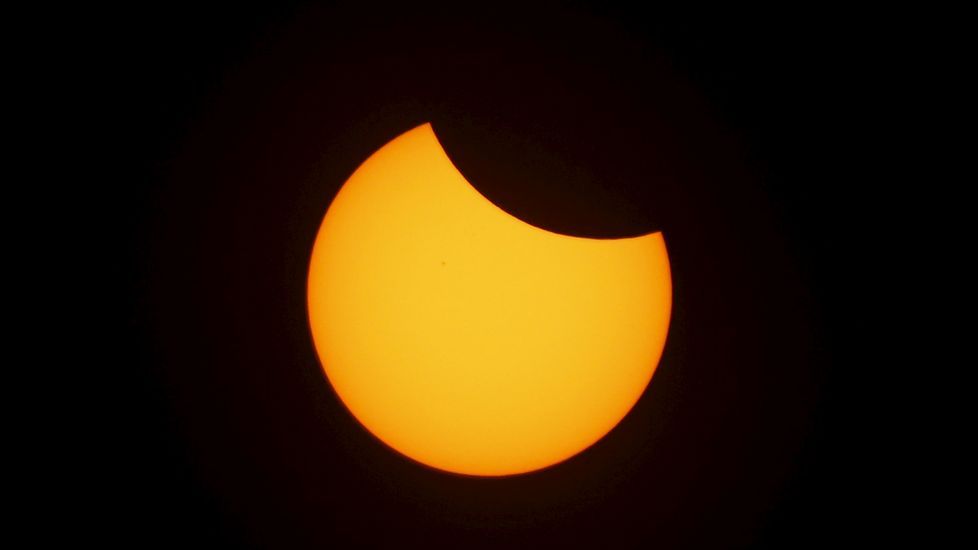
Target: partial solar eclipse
pixel 467 339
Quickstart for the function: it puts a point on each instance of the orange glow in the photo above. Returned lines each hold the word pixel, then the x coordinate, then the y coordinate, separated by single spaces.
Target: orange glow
pixel 467 339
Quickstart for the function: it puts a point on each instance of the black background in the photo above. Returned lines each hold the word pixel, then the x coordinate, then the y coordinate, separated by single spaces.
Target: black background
pixel 220 135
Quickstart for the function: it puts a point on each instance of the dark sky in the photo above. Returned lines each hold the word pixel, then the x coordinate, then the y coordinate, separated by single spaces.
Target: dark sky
pixel 214 138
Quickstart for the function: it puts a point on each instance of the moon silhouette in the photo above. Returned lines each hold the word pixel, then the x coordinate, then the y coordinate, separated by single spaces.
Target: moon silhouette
pixel 467 339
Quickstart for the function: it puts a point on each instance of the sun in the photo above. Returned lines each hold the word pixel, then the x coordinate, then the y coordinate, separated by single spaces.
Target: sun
pixel 467 339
